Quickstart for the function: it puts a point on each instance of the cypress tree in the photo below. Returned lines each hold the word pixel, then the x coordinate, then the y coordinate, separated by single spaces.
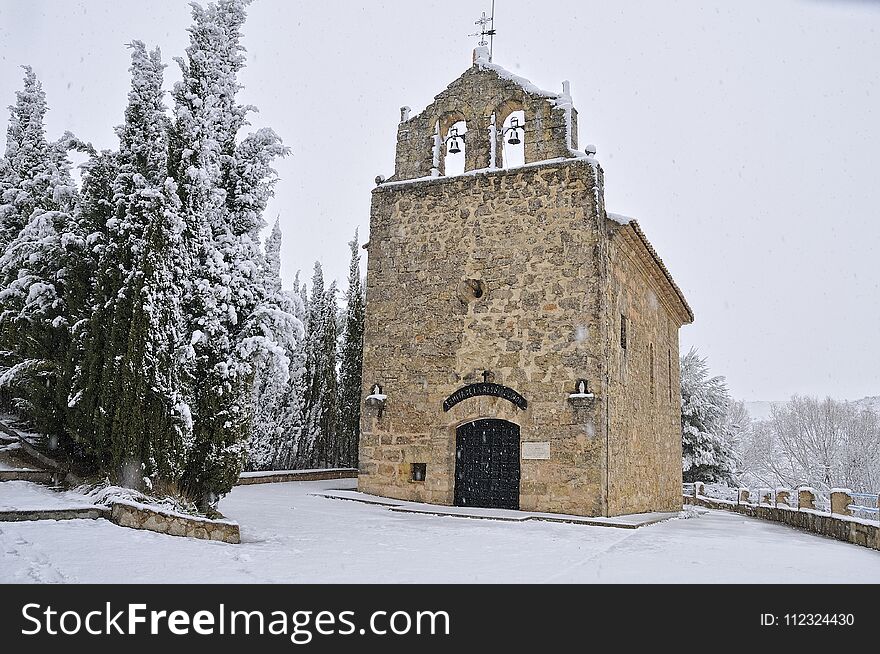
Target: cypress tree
pixel 351 365
pixel 36 228
pixel 127 406
pixel 307 450
pixel 320 402
pixel 327 448
pixel 291 421
pixel 223 187
pixel 276 341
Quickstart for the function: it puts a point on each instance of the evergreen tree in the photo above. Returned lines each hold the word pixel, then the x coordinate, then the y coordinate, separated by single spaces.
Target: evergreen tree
pixel 223 187
pixel 291 421
pixel 127 407
pixel 706 454
pixel 320 409
pixel 327 403
pixel 88 332
pixel 32 172
pixel 351 364
pixel 274 397
pixel 306 450
pixel 36 230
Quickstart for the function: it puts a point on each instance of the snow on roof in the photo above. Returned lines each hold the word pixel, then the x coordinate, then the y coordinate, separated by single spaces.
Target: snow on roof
pixel 481 59
pixel 620 219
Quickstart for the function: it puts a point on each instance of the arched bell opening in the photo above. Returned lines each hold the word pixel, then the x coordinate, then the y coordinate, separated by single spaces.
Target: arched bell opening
pixel 454 149
pixel 513 140
pixel 510 134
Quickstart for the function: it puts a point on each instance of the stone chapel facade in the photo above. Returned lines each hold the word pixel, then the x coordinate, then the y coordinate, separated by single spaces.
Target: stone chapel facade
pixel 521 343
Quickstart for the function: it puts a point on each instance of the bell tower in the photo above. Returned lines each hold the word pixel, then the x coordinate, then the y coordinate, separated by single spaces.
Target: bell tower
pixel 482 100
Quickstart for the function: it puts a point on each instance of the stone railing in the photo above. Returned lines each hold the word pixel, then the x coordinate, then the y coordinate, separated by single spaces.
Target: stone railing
pixel 798 508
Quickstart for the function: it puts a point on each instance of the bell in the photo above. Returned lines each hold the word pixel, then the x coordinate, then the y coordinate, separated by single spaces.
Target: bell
pixel 454 147
pixel 514 138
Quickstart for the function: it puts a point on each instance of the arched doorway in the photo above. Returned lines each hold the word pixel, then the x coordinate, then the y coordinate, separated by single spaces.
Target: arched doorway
pixel 487 464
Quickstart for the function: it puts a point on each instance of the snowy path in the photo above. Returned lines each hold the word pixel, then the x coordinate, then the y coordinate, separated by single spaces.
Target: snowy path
pixel 290 536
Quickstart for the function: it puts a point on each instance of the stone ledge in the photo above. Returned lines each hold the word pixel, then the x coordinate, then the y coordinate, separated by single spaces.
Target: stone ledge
pixel 26 515
pixel 141 516
pixel 281 476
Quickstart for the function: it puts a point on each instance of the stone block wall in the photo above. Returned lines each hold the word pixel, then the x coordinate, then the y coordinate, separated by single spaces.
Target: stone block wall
pixel 643 381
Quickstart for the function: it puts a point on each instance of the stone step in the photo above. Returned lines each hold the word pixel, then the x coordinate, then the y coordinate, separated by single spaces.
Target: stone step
pixel 38 476
pixel 82 513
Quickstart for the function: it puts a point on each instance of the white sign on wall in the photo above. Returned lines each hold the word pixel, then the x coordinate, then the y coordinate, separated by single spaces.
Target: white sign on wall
pixel 536 450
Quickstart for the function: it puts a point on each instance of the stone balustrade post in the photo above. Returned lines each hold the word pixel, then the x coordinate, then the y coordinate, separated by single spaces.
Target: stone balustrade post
pixel 743 496
pixel 840 501
pixel 782 495
pixel 806 498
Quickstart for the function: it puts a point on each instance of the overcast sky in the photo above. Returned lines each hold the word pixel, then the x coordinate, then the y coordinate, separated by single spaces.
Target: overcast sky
pixel 744 136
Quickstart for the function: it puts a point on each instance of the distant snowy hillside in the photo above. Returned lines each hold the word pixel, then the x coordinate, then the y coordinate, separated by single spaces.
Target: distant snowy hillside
pixel 761 409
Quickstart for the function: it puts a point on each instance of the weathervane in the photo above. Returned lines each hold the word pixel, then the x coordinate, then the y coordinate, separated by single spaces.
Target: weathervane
pixel 483 22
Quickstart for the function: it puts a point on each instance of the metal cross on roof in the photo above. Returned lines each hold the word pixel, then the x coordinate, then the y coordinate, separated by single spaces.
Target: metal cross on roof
pixel 486 22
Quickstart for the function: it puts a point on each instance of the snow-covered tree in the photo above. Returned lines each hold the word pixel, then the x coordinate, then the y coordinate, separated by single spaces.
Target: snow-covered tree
pixel 93 218
pixel 223 186
pixel 291 421
pixel 37 231
pixel 320 402
pixel 32 175
pixel 818 443
pixel 706 453
pixel 351 364
pixel 127 402
pixel 276 403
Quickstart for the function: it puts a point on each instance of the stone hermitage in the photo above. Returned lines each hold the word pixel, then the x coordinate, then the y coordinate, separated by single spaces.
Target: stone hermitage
pixel 515 278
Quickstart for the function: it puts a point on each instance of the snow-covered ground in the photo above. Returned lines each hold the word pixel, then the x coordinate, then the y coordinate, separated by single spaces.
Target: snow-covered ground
pixel 290 536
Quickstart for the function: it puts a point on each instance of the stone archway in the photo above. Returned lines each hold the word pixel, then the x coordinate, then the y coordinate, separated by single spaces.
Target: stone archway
pixel 487 464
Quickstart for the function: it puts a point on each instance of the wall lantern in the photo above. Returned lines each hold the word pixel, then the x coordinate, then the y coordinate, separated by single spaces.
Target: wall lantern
pixel 376 399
